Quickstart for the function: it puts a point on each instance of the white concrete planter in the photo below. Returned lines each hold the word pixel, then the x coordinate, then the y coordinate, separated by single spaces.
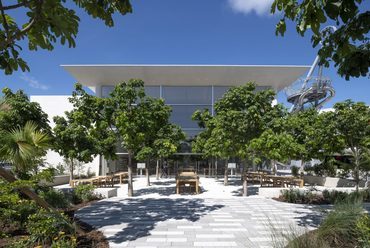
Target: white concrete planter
pixel 330 182
pixel 58 180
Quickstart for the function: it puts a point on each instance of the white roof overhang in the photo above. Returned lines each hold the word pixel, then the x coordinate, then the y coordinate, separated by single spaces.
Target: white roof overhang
pixel 275 76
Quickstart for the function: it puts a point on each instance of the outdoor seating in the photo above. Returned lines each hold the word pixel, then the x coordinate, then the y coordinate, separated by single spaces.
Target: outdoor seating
pixel 122 176
pixel 266 180
pixel 187 179
pixel 102 181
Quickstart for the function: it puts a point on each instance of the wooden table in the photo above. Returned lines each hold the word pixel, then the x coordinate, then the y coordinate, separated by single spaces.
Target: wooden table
pixel 184 178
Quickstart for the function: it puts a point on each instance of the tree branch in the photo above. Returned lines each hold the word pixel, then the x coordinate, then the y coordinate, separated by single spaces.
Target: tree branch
pixel 5 23
pixel 23 3
pixel 20 32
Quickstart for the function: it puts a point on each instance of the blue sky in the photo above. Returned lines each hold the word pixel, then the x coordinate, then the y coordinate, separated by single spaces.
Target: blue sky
pixel 178 32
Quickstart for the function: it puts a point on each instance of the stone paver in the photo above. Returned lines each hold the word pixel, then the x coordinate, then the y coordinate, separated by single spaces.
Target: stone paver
pixel 192 221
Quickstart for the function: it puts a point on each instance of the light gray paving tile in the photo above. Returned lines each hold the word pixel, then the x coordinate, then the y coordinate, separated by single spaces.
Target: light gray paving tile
pixel 215 244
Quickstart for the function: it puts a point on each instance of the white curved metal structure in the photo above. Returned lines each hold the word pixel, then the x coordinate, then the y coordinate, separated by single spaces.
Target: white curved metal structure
pixel 311 91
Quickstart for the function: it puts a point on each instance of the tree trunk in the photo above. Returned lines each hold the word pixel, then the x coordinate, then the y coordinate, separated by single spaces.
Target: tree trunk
pixel 130 191
pixel 157 170
pixel 274 166
pixel 209 167
pixel 28 192
pixel 147 173
pixel 71 172
pixel 226 176
pixel 216 177
pixel 245 187
pixel 356 170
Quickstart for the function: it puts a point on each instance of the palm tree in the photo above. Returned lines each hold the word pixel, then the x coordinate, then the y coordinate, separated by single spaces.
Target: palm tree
pixel 22 147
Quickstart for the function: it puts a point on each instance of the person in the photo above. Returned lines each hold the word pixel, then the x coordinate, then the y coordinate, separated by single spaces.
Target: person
pixel 164 170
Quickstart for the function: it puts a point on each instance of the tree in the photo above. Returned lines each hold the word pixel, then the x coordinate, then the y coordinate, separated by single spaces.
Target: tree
pixel 314 133
pixel 73 140
pixel 348 46
pixel 161 138
pixel 87 130
pixel 16 110
pixel 275 146
pixel 47 22
pixel 21 147
pixel 352 121
pixel 242 115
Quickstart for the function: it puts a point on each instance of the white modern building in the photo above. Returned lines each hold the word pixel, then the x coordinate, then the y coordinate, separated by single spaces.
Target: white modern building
pixel 185 88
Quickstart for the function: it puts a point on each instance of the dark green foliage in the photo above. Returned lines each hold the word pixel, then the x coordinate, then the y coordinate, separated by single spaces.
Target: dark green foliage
pixel 339 228
pixel 345 226
pixel 299 196
pixel 326 197
pixel 363 230
pixel 14 210
pixel 84 193
pixel 45 226
pixel 295 171
pixel 348 46
pixel 46 23
pixel 16 110
pixel 242 115
pixel 55 198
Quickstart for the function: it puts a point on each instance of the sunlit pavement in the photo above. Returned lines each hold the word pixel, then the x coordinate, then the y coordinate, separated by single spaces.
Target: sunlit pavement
pixel 218 217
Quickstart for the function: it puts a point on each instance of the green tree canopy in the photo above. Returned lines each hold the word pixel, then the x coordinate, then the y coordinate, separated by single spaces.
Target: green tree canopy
pixel 73 141
pixel 242 114
pixel 139 123
pixel 161 138
pixel 47 22
pixel 16 110
pixel 348 47
pixel 352 121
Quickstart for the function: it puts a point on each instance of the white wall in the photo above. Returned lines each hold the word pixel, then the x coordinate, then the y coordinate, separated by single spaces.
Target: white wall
pixel 53 106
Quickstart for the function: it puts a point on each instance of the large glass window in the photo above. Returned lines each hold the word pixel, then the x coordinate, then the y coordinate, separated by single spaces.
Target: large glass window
pixel 187 94
pixel 106 90
pixel 181 115
pixel 219 91
pixel 153 91
pixel 191 133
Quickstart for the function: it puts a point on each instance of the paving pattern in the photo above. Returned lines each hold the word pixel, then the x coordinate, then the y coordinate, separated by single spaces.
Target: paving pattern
pixel 195 222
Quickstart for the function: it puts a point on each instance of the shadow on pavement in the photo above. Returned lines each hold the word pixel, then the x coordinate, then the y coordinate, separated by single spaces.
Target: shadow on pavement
pixel 131 219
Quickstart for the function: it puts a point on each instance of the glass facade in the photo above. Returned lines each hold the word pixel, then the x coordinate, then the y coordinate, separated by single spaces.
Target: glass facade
pixel 184 100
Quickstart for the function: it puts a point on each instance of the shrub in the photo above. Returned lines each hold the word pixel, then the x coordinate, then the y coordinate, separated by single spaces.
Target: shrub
pixel 363 230
pixel 14 210
pixel 345 226
pixel 64 241
pixel 298 196
pixel 339 228
pixel 295 171
pixel 84 193
pixel 334 196
pixel 45 226
pixel 55 198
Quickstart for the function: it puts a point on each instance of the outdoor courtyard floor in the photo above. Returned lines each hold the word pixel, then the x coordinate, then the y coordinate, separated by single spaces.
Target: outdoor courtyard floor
pixel 218 217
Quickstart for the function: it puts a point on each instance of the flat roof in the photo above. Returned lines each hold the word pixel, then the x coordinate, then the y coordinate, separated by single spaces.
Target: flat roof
pixel 276 76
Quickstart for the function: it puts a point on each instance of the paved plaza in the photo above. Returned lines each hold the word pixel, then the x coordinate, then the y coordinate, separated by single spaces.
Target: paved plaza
pixel 156 217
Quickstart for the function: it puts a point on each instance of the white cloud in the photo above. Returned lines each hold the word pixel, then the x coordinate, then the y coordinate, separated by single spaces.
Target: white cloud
pixel 33 82
pixel 261 7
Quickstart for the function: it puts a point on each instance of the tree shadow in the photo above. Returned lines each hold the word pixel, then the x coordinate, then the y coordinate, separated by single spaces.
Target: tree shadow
pixel 162 191
pixel 312 218
pixel 251 190
pixel 130 219
pixel 166 188
pixel 231 182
